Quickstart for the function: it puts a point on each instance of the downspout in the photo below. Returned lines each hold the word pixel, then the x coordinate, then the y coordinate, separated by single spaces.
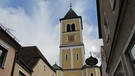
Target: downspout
pixel 15 58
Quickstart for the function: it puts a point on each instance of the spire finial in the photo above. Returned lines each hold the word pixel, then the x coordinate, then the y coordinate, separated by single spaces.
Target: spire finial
pixel 90 53
pixel 70 5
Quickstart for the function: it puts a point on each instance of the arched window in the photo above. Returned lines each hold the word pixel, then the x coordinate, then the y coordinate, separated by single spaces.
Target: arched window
pixel 66 57
pixel 68 27
pixel 73 27
pixel 91 74
pixel 77 56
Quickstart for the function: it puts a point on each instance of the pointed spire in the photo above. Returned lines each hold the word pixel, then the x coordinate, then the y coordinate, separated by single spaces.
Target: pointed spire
pixel 70 14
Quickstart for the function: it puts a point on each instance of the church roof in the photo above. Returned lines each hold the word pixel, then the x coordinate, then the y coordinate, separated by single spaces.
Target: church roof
pixel 90 66
pixel 70 14
pixel 56 67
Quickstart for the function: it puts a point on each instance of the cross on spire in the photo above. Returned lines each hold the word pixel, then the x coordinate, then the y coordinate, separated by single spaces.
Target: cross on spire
pixel 90 53
pixel 70 5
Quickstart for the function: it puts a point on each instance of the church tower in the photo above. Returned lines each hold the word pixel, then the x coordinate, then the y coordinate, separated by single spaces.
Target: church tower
pixel 71 41
pixel 72 61
pixel 71 44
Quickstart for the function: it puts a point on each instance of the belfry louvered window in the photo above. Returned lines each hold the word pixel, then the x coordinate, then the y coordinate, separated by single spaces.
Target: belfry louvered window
pixel 73 27
pixel 70 27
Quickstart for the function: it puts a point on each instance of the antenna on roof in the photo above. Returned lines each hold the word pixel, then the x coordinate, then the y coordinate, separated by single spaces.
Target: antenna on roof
pixel 8 30
pixel 70 5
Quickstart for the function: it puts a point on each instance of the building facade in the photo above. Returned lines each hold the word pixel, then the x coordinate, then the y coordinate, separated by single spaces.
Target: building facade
pixel 31 62
pixel 16 60
pixel 116 23
pixel 72 61
pixel 8 48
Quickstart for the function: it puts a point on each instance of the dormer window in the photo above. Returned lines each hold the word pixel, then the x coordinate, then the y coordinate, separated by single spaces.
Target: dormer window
pixel 70 27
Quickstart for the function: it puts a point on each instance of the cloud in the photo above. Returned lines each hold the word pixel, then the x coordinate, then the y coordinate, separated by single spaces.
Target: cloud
pixel 43 30
pixel 36 30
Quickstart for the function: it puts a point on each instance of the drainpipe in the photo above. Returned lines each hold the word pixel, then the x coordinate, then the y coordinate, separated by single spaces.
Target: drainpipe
pixel 13 67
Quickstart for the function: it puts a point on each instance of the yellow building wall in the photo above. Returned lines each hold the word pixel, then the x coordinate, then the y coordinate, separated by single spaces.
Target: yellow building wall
pixel 95 71
pixel 99 72
pixel 72 73
pixel 77 38
pixel 19 68
pixel 65 22
pixel 59 73
pixel 84 72
pixel 66 64
pixel 42 69
pixel 77 63
pixel 9 59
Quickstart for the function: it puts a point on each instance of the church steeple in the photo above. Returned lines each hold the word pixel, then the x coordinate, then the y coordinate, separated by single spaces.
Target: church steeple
pixel 72 15
pixel 72 52
pixel 71 45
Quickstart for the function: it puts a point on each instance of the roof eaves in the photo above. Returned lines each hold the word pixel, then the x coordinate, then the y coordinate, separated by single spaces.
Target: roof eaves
pixel 99 22
pixel 24 65
pixel 5 36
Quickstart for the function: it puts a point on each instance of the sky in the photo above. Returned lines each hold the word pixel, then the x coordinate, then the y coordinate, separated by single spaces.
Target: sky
pixel 36 23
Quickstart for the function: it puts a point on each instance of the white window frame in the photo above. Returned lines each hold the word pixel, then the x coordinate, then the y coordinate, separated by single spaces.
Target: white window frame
pixel 4 58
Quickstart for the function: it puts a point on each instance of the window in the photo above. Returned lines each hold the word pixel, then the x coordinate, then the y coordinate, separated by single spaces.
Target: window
pixel 70 28
pixel 21 74
pixel 112 3
pixel 132 57
pixel 73 27
pixel 3 53
pixel 117 5
pixel 77 56
pixel 106 29
pixel 66 57
pixel 91 74
pixel 44 68
pixel 119 71
pixel 130 53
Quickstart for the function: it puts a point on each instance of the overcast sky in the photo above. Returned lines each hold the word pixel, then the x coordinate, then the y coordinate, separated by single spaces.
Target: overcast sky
pixel 36 23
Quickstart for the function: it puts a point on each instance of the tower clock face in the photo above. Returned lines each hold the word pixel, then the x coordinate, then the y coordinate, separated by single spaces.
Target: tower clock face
pixel 71 38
